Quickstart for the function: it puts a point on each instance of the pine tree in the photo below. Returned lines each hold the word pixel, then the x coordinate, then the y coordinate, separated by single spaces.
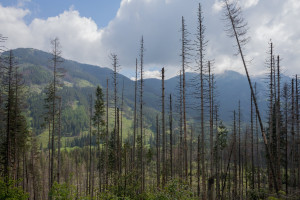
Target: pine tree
pixel 98 122
pixel 58 73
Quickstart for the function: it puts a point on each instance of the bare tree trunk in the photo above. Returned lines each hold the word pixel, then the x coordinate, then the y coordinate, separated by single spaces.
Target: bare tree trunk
pixel 217 157
pixel 211 133
pixel 58 146
pixel 181 131
pixel 201 49
pixel 141 114
pixel 285 96
pixel 293 173
pixel 239 151
pixel 252 146
pixel 278 127
pixel 191 158
pixel 234 159
pixel 49 151
pixel 121 128
pixel 297 130
pixel 171 138
pixel 157 154
pixel 164 178
pixel 183 55
pixel 257 147
pixel 115 83
pixel 134 117
pixel 198 167
pixel 106 138
pixel 90 145
pixel 118 158
pixel 271 176
pixel 238 32
pixel 227 170
pixel 246 165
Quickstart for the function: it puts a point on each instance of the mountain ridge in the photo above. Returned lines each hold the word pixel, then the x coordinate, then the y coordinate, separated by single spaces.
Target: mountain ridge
pixel 81 79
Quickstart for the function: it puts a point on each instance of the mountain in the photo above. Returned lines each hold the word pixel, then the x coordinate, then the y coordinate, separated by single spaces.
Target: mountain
pixel 80 81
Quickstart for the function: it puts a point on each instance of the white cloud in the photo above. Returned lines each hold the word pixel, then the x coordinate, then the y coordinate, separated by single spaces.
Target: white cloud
pixel 217 6
pixel 250 3
pixel 159 22
pixel 152 74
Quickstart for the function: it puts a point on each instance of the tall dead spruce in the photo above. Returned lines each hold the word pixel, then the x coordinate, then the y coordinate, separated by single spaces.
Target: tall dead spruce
pixel 200 45
pixel 237 28
pixel 141 113
pixel 164 173
pixel 184 62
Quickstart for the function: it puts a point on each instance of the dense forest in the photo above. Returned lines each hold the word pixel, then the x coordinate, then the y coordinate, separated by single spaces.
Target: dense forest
pixel 73 131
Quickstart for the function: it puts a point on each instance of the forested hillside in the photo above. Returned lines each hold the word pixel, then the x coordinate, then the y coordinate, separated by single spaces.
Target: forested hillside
pixel 76 131
pixel 81 79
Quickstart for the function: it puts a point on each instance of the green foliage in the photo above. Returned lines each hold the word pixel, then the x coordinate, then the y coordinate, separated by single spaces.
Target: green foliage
pixel 63 191
pixel 107 196
pixel 98 118
pixel 173 190
pixel 74 120
pixel 8 191
pixel 257 194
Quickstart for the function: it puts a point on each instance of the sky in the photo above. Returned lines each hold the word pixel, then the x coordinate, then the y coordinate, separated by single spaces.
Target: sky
pixel 91 30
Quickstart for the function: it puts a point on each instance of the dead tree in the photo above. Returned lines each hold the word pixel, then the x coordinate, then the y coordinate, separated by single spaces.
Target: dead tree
pixel 141 113
pixel 297 127
pixel 278 125
pixel 238 30
pixel 191 158
pixel 239 152
pixel 90 145
pixel 115 64
pixel 157 154
pixel 180 128
pixel 164 178
pixel 270 123
pixel 201 43
pixel 106 137
pixel 285 97
pixel 234 158
pixel 121 128
pixel 211 118
pixel 293 170
pixel 171 138
pixel 217 156
pixel 198 166
pixel 257 146
pixel 59 144
pixel 134 117
pixel 184 49
pixel 252 144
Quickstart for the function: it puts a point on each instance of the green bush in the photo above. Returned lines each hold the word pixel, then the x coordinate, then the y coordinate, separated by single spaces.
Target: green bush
pixel 63 191
pixel 174 190
pixel 8 191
